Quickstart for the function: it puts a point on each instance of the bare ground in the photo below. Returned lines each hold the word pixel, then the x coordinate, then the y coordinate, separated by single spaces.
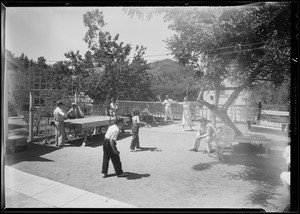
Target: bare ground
pixel 165 174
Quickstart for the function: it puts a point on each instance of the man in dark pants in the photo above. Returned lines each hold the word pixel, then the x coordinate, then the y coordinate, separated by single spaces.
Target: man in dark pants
pixel 110 150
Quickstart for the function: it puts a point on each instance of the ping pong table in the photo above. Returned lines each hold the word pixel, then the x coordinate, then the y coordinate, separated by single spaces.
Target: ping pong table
pixel 97 123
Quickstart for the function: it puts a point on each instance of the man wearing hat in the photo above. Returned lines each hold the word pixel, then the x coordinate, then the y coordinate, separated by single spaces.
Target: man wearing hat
pixel 59 117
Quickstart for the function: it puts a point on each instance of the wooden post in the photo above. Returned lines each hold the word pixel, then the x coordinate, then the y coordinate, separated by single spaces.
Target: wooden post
pixel 76 97
pixel 30 137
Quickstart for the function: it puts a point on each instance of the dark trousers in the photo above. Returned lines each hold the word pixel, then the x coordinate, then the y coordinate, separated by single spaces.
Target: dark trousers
pixel 108 154
pixel 135 142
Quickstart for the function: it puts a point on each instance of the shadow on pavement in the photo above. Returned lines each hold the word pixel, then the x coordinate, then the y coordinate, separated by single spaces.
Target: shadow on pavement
pixel 142 149
pixel 261 171
pixel 204 166
pixel 130 175
pixel 33 152
pixel 134 176
pixel 248 148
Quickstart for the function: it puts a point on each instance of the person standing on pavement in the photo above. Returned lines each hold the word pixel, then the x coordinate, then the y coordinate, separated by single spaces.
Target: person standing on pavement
pixel 110 150
pixel 59 117
pixel 113 110
pixel 186 115
pixel 168 110
pixel 135 142
pixel 113 107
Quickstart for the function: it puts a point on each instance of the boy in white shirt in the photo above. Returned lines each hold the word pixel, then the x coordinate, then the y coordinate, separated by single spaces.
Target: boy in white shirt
pixel 110 150
pixel 113 107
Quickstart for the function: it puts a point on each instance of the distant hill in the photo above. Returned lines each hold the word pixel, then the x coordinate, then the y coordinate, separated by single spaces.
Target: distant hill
pixel 165 72
pixel 168 77
pixel 163 66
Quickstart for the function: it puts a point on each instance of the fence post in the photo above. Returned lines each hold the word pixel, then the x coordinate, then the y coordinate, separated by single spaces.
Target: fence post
pixel 30 137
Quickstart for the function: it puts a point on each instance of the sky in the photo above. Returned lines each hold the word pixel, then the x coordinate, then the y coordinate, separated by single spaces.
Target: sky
pixel 53 31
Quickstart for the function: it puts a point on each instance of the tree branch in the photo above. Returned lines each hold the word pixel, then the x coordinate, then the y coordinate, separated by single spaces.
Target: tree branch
pixel 238 89
pixel 201 100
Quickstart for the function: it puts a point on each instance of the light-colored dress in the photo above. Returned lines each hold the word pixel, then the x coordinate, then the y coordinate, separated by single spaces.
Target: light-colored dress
pixel 186 115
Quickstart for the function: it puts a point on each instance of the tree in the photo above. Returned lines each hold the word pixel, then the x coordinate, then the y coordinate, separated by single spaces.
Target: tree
pixel 239 45
pixel 42 62
pixel 61 76
pixel 168 77
pixel 106 71
pixel 269 93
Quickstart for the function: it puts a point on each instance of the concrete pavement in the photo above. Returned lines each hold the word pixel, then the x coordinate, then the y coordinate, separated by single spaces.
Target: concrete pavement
pixel 23 190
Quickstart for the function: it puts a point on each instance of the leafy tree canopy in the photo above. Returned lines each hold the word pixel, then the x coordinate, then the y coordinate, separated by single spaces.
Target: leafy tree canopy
pixel 239 45
pixel 105 71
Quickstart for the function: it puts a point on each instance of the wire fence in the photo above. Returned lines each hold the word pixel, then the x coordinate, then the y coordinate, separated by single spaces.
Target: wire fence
pixel 44 126
pixel 237 113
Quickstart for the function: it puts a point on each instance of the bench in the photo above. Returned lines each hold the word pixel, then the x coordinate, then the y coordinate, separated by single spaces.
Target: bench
pixel 282 117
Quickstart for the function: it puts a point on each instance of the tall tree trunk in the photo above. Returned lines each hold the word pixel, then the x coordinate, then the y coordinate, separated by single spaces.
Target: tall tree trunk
pixel 221 112
pixel 223 116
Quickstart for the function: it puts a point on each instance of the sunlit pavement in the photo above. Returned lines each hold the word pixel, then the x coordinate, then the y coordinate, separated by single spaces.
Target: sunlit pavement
pixel 23 190
pixel 164 174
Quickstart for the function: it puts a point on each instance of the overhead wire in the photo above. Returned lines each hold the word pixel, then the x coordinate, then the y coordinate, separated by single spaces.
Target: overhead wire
pixel 237 46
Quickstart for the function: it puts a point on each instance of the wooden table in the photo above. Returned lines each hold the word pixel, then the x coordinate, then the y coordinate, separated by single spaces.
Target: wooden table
pixel 91 123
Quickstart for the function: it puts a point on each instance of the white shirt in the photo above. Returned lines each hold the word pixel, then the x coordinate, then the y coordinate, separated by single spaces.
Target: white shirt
pixel 112 132
pixel 59 115
pixel 136 119
pixel 167 102
pixel 113 106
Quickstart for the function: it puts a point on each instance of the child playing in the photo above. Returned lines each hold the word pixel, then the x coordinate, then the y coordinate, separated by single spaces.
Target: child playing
pixel 110 150
pixel 113 107
pixel 205 131
pixel 135 143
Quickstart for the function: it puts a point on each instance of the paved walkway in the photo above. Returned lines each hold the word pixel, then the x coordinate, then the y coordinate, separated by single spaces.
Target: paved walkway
pixel 23 190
